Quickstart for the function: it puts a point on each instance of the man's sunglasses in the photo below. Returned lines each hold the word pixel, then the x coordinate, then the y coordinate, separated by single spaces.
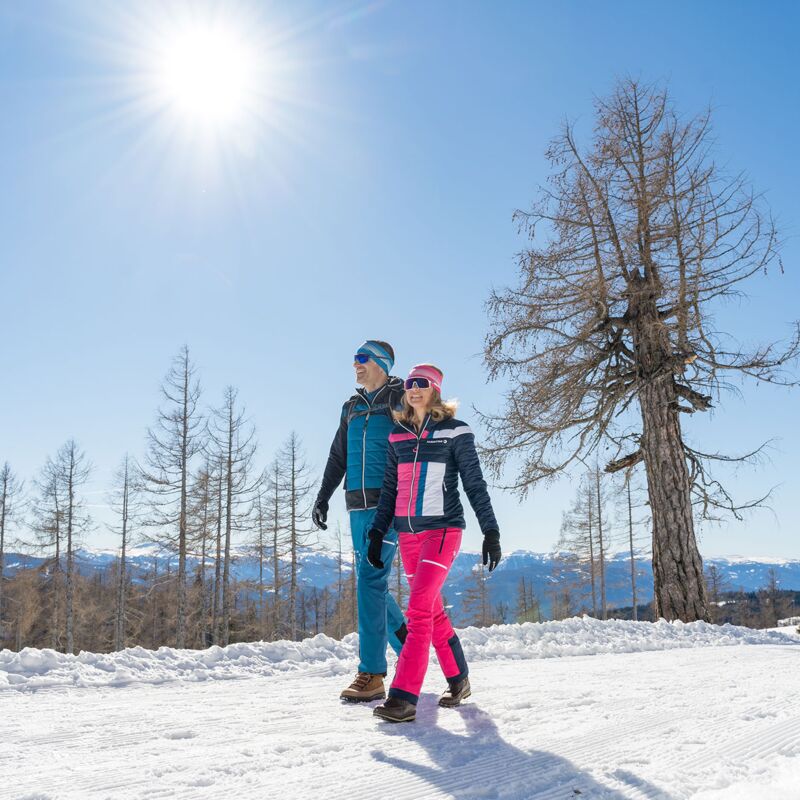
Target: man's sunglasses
pixel 420 383
pixel 362 358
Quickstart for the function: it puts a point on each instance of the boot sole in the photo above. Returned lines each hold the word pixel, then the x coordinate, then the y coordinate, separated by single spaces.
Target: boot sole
pixel 395 719
pixel 445 704
pixel 381 696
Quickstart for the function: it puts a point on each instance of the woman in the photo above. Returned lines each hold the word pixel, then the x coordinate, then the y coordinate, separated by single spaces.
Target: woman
pixel 428 450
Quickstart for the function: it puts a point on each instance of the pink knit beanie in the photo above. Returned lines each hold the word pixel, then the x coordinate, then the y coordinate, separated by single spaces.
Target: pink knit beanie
pixel 433 374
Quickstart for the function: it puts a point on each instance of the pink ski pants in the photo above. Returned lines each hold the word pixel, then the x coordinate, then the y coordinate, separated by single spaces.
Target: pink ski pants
pixel 427 558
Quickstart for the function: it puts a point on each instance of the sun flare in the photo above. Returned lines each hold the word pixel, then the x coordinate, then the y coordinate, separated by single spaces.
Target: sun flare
pixel 211 91
pixel 207 75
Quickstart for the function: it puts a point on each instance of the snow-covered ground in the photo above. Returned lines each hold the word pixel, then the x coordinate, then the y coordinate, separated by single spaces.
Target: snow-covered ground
pixel 571 709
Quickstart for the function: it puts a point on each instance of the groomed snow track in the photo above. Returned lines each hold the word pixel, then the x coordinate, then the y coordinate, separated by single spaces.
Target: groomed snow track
pixel 575 709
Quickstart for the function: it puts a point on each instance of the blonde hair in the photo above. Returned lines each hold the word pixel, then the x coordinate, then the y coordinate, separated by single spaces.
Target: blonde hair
pixel 439 410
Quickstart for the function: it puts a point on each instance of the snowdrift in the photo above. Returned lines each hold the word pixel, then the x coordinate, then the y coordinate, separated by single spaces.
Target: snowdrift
pixel 32 669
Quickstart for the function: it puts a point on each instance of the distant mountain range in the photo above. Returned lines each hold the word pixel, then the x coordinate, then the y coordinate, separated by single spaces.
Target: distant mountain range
pixel 318 568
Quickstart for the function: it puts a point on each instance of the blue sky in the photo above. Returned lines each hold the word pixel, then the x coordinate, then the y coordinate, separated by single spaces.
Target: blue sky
pixel 371 197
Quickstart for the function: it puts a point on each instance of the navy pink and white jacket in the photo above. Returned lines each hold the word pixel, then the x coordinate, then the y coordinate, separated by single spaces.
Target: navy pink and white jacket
pixel 420 485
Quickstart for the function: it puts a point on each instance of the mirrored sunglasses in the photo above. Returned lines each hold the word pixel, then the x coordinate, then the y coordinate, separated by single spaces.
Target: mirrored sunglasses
pixel 362 358
pixel 420 383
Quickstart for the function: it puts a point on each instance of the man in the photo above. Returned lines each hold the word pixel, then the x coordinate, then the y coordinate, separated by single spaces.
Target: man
pixel 358 454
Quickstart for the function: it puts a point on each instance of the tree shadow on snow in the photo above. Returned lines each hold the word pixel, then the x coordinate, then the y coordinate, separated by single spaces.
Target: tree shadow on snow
pixel 480 764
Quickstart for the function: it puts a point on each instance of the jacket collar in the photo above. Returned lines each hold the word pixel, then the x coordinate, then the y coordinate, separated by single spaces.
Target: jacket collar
pixel 428 424
pixel 393 384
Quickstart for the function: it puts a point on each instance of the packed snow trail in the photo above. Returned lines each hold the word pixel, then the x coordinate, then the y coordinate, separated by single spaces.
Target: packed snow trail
pixel 701 712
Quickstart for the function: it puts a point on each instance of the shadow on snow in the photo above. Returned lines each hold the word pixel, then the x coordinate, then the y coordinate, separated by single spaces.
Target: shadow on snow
pixel 480 764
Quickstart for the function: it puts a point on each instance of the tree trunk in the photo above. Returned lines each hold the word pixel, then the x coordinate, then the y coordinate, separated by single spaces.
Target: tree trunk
pixel 601 542
pixel 70 578
pixel 262 595
pixel 293 541
pixel 56 571
pixel 3 501
pixel 678 586
pixel 181 628
pixel 119 633
pixel 215 598
pixel 226 574
pixel 633 557
pixel 276 564
pixel 203 555
pixel 591 560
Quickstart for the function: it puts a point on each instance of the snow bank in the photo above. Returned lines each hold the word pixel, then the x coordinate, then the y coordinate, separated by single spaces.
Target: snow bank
pixel 34 669
pixel 585 636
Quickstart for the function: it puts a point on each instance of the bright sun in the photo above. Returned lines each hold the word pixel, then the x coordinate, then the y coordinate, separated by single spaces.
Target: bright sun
pixel 207 74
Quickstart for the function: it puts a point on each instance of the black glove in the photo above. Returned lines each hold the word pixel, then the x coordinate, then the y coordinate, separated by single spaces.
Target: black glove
pixel 375 545
pixel 320 514
pixel 491 549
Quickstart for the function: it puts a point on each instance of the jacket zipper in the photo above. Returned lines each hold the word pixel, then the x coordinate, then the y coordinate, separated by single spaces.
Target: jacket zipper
pixel 414 472
pixel 364 444
pixel 364 455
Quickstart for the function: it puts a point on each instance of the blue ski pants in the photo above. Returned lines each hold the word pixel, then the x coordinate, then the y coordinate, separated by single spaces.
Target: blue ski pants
pixel 379 617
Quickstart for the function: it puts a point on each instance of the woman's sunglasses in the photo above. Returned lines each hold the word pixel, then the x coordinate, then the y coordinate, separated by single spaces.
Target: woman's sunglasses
pixel 420 383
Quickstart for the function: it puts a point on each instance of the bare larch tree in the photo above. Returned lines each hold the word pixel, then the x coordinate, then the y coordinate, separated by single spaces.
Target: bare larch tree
pixel 579 539
pixel 261 550
pixel 716 585
pixel 602 536
pixel 11 489
pixel 218 478
pixel 476 602
pixel 124 497
pixel 278 532
pixel 645 234
pixel 339 579
pixel 46 525
pixel 527 607
pixel 173 441
pixel 232 444
pixel 296 487
pixel 202 507
pixel 71 470
pixel 629 501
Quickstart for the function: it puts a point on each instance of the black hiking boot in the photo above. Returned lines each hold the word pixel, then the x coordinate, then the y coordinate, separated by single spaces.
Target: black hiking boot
pixel 396 710
pixel 455 693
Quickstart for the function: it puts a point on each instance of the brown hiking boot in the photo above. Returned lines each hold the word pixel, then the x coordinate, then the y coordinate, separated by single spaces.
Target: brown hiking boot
pixel 396 709
pixel 367 686
pixel 455 693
